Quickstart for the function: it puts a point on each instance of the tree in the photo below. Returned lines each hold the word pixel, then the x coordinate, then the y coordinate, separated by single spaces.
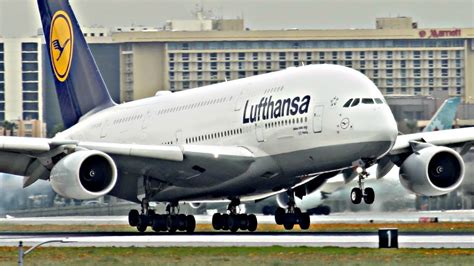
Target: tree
pixel 9 126
pixel 56 129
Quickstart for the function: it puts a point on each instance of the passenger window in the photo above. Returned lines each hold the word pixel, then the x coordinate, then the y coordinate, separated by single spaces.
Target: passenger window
pixel 378 101
pixel 348 103
pixel 368 101
pixel 355 102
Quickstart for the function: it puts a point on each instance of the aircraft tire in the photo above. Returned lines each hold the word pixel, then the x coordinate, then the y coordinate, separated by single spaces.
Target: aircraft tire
pixel 305 221
pixel 356 195
pixel 279 215
pixel 225 221
pixel 190 223
pixel 252 222
pixel 133 218
pixel 369 195
pixel 217 221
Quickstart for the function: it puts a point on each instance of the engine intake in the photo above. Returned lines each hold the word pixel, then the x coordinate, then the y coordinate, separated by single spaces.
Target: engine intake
pixel 84 175
pixel 432 171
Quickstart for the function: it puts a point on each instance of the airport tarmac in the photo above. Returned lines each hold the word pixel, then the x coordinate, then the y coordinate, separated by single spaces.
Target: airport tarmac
pixel 309 239
pixel 345 217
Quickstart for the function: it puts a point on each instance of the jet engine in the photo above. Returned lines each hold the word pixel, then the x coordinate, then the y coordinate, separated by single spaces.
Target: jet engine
pixel 432 171
pixel 195 205
pixel 282 199
pixel 84 175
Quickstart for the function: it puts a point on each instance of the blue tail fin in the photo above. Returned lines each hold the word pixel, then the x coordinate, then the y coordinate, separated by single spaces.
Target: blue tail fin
pixel 444 117
pixel 79 85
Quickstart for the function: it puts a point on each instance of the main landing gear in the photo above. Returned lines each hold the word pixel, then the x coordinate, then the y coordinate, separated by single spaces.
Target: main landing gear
pixel 368 193
pixel 171 222
pixel 234 221
pixel 292 215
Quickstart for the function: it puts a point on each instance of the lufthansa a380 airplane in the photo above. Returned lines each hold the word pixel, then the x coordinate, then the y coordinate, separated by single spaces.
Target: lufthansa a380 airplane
pixel 241 140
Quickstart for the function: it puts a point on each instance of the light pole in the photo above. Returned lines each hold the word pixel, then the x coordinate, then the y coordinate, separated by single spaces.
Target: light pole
pixel 21 254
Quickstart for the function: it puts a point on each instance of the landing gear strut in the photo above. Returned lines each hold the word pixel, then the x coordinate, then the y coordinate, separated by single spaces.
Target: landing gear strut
pixel 171 222
pixel 292 215
pixel 234 221
pixel 359 193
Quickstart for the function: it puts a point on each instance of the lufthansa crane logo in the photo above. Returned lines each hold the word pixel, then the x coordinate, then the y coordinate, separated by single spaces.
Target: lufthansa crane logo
pixel 61 43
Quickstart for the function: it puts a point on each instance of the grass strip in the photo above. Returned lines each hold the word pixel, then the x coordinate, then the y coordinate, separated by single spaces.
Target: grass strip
pixel 275 255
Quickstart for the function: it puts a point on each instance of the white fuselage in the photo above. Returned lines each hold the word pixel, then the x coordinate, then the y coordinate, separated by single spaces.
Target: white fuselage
pixel 310 116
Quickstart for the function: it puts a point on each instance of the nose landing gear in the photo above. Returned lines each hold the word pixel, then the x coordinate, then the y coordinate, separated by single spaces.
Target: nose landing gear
pixel 292 215
pixel 359 193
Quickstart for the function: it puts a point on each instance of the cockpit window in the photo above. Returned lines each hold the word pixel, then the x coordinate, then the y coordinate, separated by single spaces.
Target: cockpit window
pixel 355 102
pixel 378 101
pixel 348 103
pixel 368 101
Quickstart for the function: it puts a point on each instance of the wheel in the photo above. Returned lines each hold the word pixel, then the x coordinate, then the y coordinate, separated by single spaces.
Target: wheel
pixel 159 223
pixel 243 221
pixel 369 195
pixel 279 215
pixel 356 195
pixel 288 226
pixel 181 219
pixel 142 223
pixel 190 223
pixel 305 221
pixel 233 223
pixel 217 221
pixel 252 222
pixel 133 218
pixel 172 223
pixel 225 221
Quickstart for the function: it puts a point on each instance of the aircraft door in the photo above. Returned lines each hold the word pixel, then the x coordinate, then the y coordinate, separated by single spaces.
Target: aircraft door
pixel 259 133
pixel 146 119
pixel 318 118
pixel 105 128
pixel 240 100
pixel 179 137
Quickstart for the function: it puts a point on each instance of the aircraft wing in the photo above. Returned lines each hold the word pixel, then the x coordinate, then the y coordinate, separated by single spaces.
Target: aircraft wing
pixel 450 138
pixel 176 164
pixel 407 144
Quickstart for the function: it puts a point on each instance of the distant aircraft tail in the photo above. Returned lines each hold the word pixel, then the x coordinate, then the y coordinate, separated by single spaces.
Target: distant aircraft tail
pixel 444 117
pixel 79 84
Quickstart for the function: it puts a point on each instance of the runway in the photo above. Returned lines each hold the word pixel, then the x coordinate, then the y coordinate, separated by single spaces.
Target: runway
pixel 258 239
pixel 347 218
pixel 309 239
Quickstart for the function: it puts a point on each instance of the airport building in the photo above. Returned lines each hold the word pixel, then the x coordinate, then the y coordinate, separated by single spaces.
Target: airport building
pixel 399 57
pixel 21 79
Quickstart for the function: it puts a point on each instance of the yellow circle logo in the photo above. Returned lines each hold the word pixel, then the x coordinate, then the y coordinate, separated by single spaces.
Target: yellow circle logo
pixel 61 40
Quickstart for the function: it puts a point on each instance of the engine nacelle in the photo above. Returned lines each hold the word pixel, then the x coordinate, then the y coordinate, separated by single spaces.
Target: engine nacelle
pixel 195 205
pixel 432 171
pixel 282 200
pixel 84 175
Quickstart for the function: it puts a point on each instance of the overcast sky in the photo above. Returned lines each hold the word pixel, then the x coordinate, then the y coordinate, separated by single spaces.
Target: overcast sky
pixel 20 17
